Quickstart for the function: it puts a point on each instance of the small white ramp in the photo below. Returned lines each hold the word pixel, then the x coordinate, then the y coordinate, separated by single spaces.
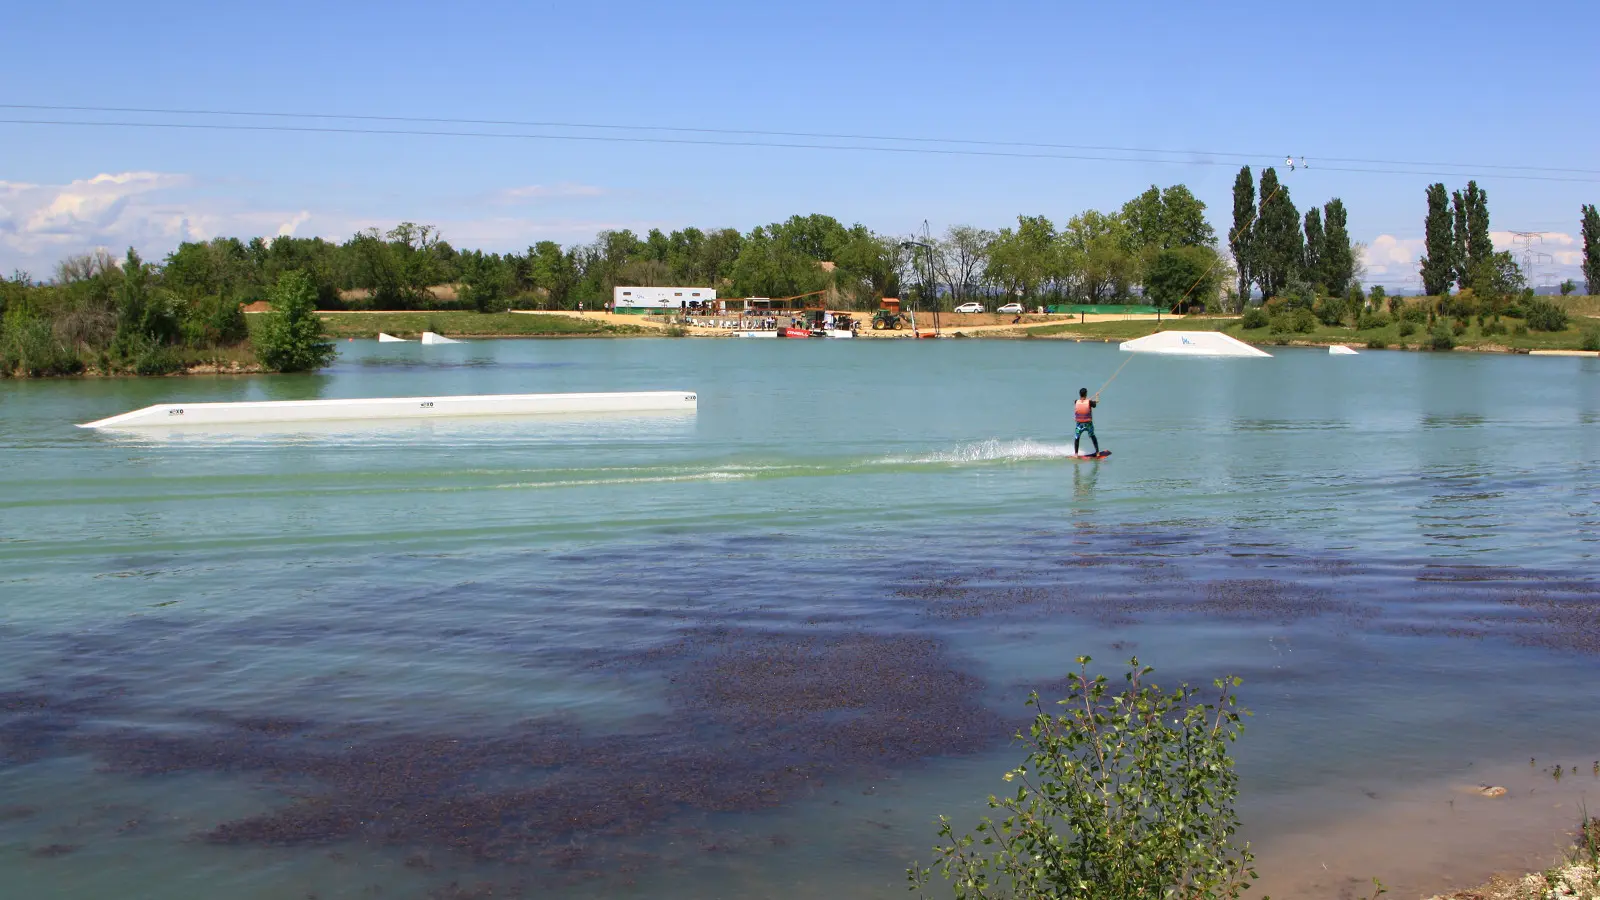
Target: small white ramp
pixel 429 337
pixel 1192 343
pixel 1341 350
pixel 390 339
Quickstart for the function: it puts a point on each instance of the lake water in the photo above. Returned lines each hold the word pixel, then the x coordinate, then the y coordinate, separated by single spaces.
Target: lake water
pixel 756 650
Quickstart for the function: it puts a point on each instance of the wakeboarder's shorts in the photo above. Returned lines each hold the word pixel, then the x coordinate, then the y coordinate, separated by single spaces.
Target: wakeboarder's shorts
pixel 1084 428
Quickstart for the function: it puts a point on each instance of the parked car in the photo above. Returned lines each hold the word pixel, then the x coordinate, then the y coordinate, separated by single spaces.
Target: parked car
pixel 970 308
pixel 1010 308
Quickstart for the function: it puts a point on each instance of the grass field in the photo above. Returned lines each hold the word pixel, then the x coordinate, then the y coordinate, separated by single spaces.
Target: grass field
pixel 1571 339
pixel 470 324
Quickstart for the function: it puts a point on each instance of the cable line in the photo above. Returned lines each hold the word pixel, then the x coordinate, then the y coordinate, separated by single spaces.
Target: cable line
pixel 936 151
pixel 429 120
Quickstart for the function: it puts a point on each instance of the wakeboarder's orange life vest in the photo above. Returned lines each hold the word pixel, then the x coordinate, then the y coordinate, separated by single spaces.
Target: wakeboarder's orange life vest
pixel 1082 411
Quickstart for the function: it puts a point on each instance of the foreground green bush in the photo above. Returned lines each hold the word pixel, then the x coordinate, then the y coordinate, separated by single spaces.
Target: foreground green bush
pixel 1255 317
pixel 1124 795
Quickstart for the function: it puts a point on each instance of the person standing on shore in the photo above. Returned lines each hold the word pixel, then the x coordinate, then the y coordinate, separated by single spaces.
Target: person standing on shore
pixel 1083 415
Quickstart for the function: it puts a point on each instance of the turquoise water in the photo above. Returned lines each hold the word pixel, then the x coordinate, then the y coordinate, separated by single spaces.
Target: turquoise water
pixel 752 651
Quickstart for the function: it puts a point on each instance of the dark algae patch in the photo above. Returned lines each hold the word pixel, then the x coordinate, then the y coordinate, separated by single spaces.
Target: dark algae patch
pixel 758 719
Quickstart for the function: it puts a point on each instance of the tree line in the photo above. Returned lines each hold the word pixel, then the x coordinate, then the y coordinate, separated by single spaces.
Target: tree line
pixel 1117 256
pixel 1275 248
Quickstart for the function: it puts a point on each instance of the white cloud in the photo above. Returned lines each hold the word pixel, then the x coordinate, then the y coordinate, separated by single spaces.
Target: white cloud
pixel 93 203
pixel 41 224
pixel 1544 240
pixel 532 192
pixel 287 229
pixel 1393 260
pixel 1389 258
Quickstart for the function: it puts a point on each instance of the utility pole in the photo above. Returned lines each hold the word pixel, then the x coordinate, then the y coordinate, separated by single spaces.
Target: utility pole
pixel 927 278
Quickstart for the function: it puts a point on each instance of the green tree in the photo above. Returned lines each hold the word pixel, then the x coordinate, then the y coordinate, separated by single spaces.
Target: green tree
pixel 1163 219
pixel 1439 265
pixel 291 337
pixel 1181 277
pixel 772 263
pixel 553 272
pixel 1312 262
pixel 1568 287
pixel 1496 280
pixel 145 314
pixel 1243 231
pixel 1338 269
pixel 1093 259
pixel 1591 249
pixel 1279 247
pixel 1473 245
pixel 483 282
pixel 1022 259
pixel 1124 795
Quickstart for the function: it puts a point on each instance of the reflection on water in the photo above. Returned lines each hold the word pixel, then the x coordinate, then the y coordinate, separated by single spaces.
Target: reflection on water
pixel 756 650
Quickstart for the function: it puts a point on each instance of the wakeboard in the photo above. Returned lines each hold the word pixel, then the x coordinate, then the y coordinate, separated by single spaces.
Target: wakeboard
pixel 1101 455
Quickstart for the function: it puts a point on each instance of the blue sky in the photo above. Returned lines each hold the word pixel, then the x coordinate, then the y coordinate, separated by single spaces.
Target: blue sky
pixel 1458 82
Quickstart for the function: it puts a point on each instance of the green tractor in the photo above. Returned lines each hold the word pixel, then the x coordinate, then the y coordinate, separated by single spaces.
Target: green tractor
pixel 888 317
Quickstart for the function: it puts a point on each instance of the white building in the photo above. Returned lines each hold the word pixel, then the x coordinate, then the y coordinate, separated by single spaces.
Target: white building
pixel 647 300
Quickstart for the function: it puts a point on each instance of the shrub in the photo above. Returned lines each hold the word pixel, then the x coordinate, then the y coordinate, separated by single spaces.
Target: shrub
pixel 1414 312
pixel 29 347
pixel 1519 330
pixel 1441 338
pixel 1371 320
pixel 1407 328
pixel 1255 317
pixel 1543 315
pixel 1298 320
pixel 292 339
pixel 1123 795
pixel 1591 339
pixel 1377 344
pixel 1492 327
pixel 157 359
pixel 676 331
pixel 1330 310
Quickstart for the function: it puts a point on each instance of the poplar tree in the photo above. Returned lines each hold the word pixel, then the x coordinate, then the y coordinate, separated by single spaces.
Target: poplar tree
pixel 1439 266
pixel 1338 256
pixel 1312 264
pixel 1591 249
pixel 1473 245
pixel 1240 238
pixel 1279 248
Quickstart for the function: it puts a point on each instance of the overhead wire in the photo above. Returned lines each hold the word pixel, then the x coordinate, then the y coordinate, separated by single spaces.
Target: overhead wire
pixel 803 140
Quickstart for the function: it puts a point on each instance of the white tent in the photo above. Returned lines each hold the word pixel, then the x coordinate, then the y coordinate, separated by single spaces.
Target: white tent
pixel 390 339
pixel 1191 343
pixel 1341 350
pixel 429 337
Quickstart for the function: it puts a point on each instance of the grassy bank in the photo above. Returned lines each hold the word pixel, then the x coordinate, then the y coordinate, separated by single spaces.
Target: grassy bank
pixel 1388 336
pixel 470 324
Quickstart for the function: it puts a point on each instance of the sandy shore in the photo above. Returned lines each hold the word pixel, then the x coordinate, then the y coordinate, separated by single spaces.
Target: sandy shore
pixel 1428 839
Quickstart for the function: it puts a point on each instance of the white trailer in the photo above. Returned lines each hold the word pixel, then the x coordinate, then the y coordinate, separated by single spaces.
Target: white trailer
pixel 655 300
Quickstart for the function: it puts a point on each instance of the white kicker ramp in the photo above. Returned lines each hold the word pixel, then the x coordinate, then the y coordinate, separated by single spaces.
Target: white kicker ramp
pixel 1192 343
pixel 255 412
pixel 1341 350
pixel 390 339
pixel 429 337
